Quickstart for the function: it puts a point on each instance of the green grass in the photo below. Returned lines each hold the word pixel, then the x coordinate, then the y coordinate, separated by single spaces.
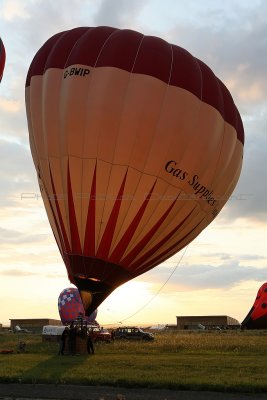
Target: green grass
pixel 216 361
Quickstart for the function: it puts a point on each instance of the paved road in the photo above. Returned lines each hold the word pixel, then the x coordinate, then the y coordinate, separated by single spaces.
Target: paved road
pixel 16 391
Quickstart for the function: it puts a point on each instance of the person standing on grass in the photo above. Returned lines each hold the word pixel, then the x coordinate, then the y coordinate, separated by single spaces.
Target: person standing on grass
pixel 90 345
pixel 62 342
pixel 72 338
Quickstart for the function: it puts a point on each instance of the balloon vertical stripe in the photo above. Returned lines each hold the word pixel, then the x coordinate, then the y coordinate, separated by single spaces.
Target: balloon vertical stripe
pixel 89 241
pixel 75 239
pixel 106 240
pixel 66 245
pixel 140 261
pixel 184 241
pixel 146 239
pixel 120 249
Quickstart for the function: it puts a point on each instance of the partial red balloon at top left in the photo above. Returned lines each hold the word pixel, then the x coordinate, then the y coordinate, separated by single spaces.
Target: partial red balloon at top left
pixel 2 58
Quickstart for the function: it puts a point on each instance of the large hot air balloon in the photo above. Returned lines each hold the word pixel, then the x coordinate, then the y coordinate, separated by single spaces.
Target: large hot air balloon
pixel 2 59
pixel 137 146
pixel 70 307
pixel 257 316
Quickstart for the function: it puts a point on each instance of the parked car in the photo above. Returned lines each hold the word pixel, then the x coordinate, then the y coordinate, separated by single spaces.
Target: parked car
pixel 18 329
pixel 132 333
pixel 99 334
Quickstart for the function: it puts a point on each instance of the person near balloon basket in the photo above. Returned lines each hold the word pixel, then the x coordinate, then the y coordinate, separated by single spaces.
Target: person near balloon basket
pixel 72 338
pixel 62 343
pixel 90 345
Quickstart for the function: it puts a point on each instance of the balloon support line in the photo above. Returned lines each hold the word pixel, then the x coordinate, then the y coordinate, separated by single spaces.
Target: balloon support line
pixel 159 290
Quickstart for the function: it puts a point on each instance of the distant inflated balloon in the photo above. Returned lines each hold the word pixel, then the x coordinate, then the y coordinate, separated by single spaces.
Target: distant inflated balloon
pixel 257 316
pixel 137 146
pixel 70 306
pixel 2 59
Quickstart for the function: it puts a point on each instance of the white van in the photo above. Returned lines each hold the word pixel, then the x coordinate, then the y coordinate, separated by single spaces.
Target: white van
pixel 52 333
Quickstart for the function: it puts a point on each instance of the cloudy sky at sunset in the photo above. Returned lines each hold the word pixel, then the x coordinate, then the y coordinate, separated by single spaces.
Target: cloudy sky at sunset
pixel 221 270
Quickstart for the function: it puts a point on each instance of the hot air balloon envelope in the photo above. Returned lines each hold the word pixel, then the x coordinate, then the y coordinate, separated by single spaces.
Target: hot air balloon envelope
pixel 137 147
pixel 257 316
pixel 2 59
pixel 70 307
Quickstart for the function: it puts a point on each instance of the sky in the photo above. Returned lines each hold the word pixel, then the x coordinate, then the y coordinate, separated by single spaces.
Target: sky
pixel 220 272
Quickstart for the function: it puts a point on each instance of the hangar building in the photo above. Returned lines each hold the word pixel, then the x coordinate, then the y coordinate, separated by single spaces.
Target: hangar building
pixel 209 321
pixel 34 325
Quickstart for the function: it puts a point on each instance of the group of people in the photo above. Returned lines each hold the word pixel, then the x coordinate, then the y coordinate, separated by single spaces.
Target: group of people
pixel 69 336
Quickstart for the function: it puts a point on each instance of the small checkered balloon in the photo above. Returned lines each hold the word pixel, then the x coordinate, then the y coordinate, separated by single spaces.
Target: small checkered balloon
pixel 70 306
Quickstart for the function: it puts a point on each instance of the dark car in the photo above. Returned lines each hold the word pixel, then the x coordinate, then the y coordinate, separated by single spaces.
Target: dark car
pixel 132 333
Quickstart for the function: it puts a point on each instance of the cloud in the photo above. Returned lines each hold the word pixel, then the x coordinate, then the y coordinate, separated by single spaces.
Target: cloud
pixel 203 276
pixel 17 173
pixel 14 9
pixel 249 198
pixel 12 236
pixel 233 46
pixel 9 106
pixel 17 273
pixel 121 14
pixel 22 273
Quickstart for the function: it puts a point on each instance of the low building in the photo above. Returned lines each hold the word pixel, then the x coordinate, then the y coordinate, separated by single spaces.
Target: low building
pixel 209 321
pixel 33 324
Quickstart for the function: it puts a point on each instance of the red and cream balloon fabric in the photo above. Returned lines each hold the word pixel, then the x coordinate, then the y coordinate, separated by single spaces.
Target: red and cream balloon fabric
pixel 137 147
pixel 2 59
pixel 257 316
pixel 70 307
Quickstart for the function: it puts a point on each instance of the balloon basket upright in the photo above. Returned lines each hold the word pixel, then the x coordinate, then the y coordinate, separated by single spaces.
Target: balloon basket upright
pixel 77 339
pixel 81 345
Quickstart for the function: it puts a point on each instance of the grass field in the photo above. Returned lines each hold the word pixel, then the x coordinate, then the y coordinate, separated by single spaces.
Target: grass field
pixel 218 361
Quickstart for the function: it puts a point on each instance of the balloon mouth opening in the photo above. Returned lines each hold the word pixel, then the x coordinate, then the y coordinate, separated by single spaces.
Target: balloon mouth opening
pixel 88 278
pixel 93 292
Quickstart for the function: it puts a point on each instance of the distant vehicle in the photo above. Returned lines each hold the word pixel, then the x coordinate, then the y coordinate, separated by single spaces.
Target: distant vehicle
pixel 52 333
pixel 132 333
pixel 18 329
pixel 99 334
pixel 159 327
pixel 53 329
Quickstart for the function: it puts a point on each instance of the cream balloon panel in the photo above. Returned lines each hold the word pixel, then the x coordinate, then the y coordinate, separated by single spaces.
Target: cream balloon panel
pixel 55 183
pixel 35 124
pixel 41 164
pixel 92 113
pixel 223 187
pixel 45 137
pixel 175 129
pixel 38 143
